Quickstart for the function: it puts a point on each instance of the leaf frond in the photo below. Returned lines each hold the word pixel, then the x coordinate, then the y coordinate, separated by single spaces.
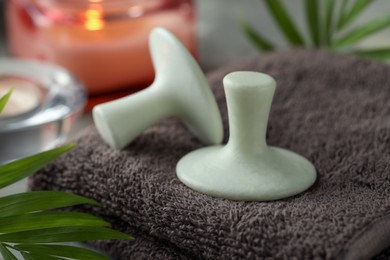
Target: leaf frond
pixel 285 23
pixel 19 169
pixel 256 38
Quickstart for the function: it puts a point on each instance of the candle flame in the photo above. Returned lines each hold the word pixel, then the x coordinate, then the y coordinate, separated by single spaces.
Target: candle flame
pixel 94 19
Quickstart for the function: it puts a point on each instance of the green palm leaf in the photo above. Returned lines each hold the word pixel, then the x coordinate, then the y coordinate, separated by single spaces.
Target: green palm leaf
pixel 342 13
pixel 323 27
pixel 62 251
pixel 37 256
pixel 42 220
pixel 17 170
pixel 363 31
pixel 313 21
pixel 63 234
pixel 328 26
pixel 4 99
pixel 378 54
pixel 258 40
pixel 356 9
pixel 28 256
pixel 6 253
pixel 20 223
pixel 285 23
pixel 38 200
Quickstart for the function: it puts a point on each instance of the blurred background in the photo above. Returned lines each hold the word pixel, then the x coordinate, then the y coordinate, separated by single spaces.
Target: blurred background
pixel 2 29
pixel 220 38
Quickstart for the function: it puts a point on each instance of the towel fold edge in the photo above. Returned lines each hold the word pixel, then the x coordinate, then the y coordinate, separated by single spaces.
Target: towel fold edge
pixel 371 241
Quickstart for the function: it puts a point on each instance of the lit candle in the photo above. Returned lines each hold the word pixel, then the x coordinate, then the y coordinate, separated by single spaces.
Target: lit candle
pixel 25 97
pixel 104 43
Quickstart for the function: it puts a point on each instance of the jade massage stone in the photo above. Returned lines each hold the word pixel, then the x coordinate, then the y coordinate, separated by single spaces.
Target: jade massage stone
pixel 246 168
pixel 179 90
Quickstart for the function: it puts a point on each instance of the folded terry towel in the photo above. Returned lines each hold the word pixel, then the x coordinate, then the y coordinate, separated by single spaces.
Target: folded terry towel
pixel 332 109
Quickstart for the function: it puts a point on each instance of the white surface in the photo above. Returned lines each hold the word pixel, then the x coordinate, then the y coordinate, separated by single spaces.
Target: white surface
pixel 180 90
pixel 246 168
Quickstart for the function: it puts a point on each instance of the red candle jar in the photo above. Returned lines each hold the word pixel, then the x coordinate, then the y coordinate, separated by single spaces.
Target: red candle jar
pixel 103 42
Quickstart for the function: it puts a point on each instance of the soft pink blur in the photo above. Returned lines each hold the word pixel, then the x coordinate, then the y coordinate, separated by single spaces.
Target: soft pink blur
pixel 103 42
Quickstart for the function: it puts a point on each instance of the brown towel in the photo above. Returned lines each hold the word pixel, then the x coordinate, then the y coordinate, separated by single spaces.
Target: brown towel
pixel 332 109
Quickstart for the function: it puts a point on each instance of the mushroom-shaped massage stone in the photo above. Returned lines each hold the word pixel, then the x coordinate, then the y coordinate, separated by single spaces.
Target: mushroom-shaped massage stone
pixel 179 90
pixel 246 168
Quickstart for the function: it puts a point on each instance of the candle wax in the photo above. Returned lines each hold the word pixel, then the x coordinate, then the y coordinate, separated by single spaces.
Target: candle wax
pixel 113 57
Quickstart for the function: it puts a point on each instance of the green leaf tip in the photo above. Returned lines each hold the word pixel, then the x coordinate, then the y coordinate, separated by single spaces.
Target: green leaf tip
pixel 313 21
pixel 72 252
pixel 363 31
pixel 6 253
pixel 4 99
pixel 19 169
pixel 382 54
pixel 41 220
pixel 259 41
pixel 328 22
pixel 37 200
pixel 342 14
pixel 64 234
pixel 358 7
pixel 284 22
